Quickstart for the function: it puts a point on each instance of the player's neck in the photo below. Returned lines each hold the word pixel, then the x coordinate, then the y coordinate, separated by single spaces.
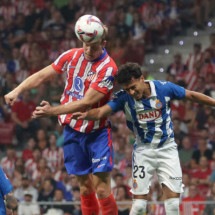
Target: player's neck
pixel 147 91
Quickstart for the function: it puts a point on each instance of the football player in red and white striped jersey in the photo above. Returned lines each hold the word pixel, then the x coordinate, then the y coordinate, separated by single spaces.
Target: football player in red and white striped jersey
pixel 88 151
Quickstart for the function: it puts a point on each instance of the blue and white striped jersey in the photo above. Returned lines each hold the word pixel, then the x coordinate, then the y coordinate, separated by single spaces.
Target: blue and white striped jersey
pixel 150 119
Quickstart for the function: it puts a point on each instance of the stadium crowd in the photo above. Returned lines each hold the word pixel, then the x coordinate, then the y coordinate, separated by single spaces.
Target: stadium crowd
pixel 34 33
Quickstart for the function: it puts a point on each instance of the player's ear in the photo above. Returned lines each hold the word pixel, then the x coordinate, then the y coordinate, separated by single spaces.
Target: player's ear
pixel 142 78
pixel 104 42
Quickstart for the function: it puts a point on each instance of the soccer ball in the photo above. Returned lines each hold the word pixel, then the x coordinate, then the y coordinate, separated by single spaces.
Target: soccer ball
pixel 89 29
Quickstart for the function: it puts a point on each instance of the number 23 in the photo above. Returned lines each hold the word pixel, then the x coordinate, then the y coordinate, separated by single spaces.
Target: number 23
pixel 142 172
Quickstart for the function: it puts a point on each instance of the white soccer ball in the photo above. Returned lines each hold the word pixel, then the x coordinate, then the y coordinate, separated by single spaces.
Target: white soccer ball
pixel 89 29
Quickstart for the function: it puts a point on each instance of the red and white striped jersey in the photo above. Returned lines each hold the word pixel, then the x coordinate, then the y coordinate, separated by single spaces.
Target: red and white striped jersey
pixel 8 166
pixel 54 158
pixel 81 75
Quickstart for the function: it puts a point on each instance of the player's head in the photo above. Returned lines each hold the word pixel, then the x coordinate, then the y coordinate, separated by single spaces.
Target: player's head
pixel 92 32
pixel 131 78
pixel 93 50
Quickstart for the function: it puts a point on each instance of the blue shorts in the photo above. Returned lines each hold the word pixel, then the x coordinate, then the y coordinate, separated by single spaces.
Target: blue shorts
pixel 87 153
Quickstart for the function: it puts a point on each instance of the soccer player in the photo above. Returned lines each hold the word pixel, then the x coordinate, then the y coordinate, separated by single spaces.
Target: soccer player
pixel 88 151
pixel 6 194
pixel 146 105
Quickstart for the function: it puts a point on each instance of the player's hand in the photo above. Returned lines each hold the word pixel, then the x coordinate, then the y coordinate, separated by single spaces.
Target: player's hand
pixel 79 115
pixel 11 202
pixel 11 97
pixel 43 110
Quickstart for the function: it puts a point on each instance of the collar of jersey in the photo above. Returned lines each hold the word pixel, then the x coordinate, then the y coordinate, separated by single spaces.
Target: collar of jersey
pixel 101 56
pixel 152 87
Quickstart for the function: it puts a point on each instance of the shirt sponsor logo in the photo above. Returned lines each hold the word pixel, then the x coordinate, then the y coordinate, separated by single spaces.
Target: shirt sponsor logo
pixel 74 94
pixel 78 83
pixel 149 115
pixel 108 82
pixel 96 160
pixel 175 178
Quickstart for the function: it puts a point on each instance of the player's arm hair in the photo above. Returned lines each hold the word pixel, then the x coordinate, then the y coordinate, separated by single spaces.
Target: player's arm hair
pixel 199 98
pixel 98 113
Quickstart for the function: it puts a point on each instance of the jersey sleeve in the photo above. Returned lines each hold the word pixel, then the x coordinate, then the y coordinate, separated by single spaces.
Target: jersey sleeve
pixel 5 185
pixel 104 81
pixel 172 90
pixel 117 103
pixel 61 63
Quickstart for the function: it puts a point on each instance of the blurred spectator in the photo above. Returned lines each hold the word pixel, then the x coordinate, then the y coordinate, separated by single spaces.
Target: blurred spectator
pixel 28 206
pixel 195 56
pixel 46 194
pixel 26 186
pixel 21 115
pixel 188 205
pixel 64 183
pixel 186 182
pixel 18 173
pixel 122 196
pixel 27 152
pixel 41 138
pixel 59 197
pixel 53 154
pixel 119 181
pixel 176 68
pixel 210 208
pixel 31 163
pixel 76 198
pixel 202 175
pixel 186 152
pixel 202 150
pixel 8 161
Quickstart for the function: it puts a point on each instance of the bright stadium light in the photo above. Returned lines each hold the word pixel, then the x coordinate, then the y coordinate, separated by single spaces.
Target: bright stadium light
pixel 151 61
pixel 210 24
pixel 195 33
pixel 161 69
pixel 166 51
pixel 181 42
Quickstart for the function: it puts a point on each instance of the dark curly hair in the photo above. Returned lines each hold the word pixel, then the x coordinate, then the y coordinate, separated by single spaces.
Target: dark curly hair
pixel 128 71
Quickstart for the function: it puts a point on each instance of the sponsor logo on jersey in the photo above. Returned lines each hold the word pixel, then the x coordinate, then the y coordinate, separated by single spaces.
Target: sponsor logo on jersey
pixel 78 83
pixel 175 178
pixel 108 83
pixel 149 115
pixel 96 160
pixel 74 94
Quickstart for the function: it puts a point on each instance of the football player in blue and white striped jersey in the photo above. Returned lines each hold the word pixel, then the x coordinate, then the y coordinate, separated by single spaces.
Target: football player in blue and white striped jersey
pixel 146 105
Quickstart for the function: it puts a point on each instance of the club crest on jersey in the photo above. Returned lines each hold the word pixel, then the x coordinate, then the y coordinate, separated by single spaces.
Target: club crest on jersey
pixel 158 104
pixel 149 115
pixel 78 83
pixel 91 75
pixel 134 184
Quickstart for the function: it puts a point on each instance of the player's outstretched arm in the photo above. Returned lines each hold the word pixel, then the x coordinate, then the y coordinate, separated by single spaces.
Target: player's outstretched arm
pixel 45 109
pixel 199 98
pixel 32 81
pixel 94 114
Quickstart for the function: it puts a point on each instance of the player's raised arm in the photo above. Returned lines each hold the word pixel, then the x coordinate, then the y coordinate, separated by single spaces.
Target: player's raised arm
pixel 32 81
pixel 199 98
pixel 94 114
pixel 91 97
